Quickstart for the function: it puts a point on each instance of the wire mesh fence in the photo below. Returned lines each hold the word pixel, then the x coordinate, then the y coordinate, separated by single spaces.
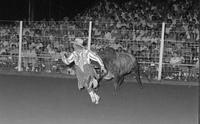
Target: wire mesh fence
pixel 42 41
pixel 42 46
pixel 181 52
pixel 9 39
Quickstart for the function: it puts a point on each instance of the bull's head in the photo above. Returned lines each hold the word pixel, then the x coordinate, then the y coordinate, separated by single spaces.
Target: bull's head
pixel 108 53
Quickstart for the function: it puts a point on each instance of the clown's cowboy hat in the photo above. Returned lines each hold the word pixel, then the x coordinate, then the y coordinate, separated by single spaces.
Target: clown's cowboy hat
pixel 78 42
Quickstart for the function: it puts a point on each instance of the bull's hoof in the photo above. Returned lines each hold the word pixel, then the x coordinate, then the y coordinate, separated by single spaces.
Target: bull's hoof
pixel 114 93
pixel 141 87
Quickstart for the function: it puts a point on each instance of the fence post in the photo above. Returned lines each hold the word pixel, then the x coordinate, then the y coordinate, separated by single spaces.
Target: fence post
pixel 89 37
pixel 161 52
pixel 20 48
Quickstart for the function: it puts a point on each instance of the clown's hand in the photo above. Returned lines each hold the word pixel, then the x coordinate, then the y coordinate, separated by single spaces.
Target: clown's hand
pixel 63 55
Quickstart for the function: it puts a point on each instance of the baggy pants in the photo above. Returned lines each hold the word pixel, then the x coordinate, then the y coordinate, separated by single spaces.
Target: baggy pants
pixel 84 77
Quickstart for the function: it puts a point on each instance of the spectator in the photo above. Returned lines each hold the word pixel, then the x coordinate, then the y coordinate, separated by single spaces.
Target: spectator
pixel 134 26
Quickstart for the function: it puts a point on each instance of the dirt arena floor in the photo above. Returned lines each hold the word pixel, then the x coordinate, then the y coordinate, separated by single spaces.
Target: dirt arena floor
pixel 45 100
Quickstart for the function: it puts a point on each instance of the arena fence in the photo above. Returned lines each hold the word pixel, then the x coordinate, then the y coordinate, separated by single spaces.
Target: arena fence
pixel 162 54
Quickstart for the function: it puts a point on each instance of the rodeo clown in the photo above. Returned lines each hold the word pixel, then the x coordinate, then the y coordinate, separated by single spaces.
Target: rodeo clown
pixel 85 72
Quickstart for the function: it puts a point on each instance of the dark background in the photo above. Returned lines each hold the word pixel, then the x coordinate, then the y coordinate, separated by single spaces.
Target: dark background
pixel 40 9
pixel 57 9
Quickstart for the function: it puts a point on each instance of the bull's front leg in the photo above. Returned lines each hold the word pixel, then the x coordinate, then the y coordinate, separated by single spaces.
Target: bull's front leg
pixel 116 84
pixel 121 80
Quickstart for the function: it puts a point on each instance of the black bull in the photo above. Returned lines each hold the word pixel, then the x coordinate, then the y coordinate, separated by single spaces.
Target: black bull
pixel 119 65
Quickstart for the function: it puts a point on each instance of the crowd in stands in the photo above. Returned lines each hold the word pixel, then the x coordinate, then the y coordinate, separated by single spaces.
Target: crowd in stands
pixel 134 26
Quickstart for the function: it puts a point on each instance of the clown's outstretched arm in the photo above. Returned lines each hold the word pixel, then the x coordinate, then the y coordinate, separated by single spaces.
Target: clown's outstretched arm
pixel 68 60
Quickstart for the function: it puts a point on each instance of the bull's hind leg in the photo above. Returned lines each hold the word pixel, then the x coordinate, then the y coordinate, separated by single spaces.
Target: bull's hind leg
pixel 137 74
pixel 139 81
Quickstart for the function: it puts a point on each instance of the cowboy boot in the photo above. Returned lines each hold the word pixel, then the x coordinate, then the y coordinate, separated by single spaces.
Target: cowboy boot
pixel 97 98
pixel 92 96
